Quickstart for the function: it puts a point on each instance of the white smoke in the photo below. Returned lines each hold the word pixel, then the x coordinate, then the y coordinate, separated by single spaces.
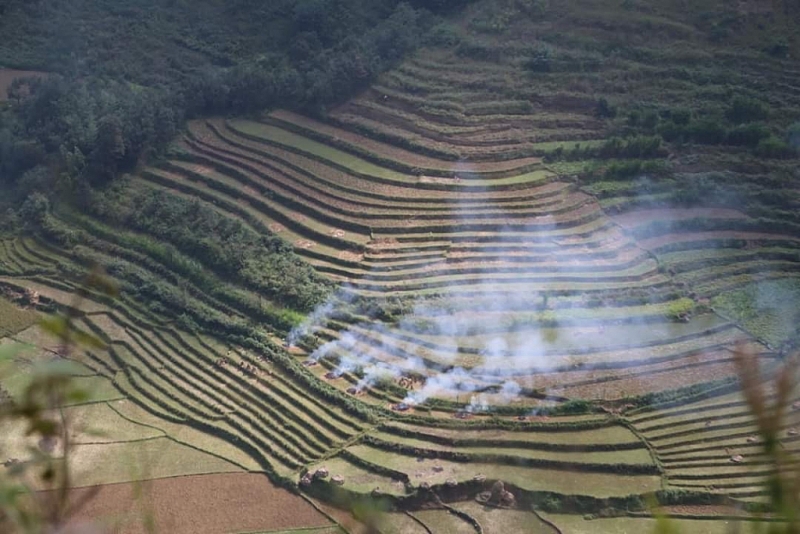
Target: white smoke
pixel 318 318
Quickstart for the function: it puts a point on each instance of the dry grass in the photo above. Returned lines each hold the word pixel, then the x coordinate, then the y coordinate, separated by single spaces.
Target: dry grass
pixel 14 319
pixel 199 505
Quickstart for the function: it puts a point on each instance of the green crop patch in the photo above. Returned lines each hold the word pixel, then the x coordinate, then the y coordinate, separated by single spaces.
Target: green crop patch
pixel 768 309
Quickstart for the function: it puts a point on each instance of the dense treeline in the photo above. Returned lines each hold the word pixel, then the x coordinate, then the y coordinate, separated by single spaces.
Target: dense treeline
pixel 226 246
pixel 123 90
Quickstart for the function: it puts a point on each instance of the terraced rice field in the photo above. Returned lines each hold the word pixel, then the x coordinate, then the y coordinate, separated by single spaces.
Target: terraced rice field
pixel 510 292
pixel 524 294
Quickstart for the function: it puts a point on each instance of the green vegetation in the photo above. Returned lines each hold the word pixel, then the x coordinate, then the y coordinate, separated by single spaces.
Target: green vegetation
pixel 765 308
pixel 547 263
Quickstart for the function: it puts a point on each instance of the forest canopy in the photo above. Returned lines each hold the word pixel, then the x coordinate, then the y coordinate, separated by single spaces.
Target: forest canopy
pixel 123 77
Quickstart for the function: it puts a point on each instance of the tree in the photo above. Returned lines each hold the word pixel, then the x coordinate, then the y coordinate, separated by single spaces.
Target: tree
pixel 109 149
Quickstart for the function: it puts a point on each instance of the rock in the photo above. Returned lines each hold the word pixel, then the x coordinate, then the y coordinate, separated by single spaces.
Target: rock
pixel 306 480
pixel 322 472
pixel 451 482
pixel 737 458
pixel 479 478
pixel 498 489
pixel 438 468
pixel 338 480
pixel 507 498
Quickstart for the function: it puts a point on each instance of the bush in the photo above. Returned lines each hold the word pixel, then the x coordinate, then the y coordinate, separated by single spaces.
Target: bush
pixel 551 504
pixel 680 308
pixel 681 116
pixel 774 147
pixel 778 48
pixel 744 109
pixel 539 61
pixel 604 109
pixel 672 132
pixel 747 134
pixel 650 120
pixel 707 132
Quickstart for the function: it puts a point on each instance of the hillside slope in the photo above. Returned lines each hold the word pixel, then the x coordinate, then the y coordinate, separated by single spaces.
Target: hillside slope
pixel 552 226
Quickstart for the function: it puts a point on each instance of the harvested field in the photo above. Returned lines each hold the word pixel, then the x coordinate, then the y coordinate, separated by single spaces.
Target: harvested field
pixel 574 524
pixel 211 504
pixel 499 521
pixel 14 319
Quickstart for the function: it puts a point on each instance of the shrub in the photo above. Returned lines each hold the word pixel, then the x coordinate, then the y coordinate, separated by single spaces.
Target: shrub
pixel 707 132
pixel 574 407
pixel 604 109
pixel 681 116
pixel 778 48
pixel 650 120
pixel 745 109
pixel 551 504
pixel 747 134
pixel 672 132
pixel 774 147
pixel 539 61
pixel 680 308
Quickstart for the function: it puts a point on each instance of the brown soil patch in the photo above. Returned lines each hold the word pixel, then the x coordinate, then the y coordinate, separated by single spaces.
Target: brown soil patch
pixel 304 243
pixel 613 385
pixel 198 504
pixel 337 233
pixel 9 75
pixel 350 256
pixel 276 228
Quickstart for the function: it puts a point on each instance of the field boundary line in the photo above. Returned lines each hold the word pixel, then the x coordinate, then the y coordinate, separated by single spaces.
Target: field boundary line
pixel 179 442
pixel 323 512
pixel 419 521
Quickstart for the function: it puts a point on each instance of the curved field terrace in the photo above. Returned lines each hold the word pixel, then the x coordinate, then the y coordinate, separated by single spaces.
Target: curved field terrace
pixel 508 303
